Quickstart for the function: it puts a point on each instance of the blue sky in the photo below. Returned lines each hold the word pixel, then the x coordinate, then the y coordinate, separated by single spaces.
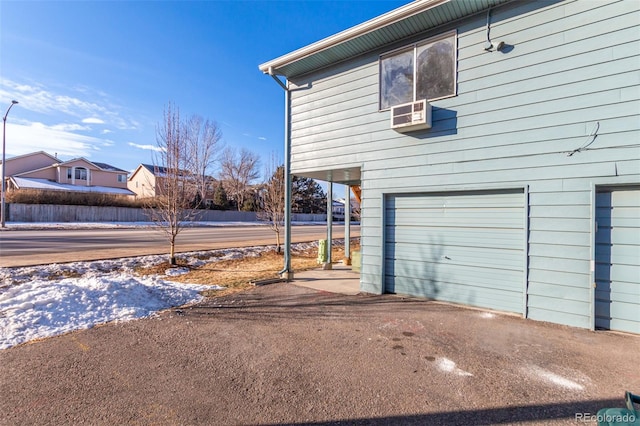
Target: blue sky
pixel 93 78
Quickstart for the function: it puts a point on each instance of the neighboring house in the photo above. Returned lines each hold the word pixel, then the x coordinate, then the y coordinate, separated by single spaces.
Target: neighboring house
pixel 338 207
pixel 143 180
pixel 524 193
pixel 45 172
pixel 146 178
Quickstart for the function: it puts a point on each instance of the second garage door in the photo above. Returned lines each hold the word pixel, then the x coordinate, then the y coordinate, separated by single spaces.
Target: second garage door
pixel 465 247
pixel 617 304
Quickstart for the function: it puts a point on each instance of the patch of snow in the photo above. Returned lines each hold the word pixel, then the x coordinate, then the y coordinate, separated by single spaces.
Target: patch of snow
pixel 487 315
pixel 232 256
pixel 47 300
pixel 46 308
pixel 174 272
pixel 448 366
pixel 553 378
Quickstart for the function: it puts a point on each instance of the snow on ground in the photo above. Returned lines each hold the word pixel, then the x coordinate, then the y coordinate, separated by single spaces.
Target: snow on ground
pixel 47 300
pixel 43 308
pixel 446 365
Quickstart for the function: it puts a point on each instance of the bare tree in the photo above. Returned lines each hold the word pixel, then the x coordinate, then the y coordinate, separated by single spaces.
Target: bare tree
pixel 203 143
pixel 272 200
pixel 175 185
pixel 237 171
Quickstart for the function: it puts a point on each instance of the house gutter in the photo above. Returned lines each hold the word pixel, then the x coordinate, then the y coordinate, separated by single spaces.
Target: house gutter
pixel 389 18
pixel 286 273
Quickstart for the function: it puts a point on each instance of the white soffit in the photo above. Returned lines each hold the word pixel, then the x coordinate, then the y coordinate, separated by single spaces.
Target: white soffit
pixel 414 18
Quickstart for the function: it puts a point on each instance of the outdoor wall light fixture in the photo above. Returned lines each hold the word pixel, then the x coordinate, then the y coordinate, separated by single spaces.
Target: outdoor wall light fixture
pixel 488 45
pixel 501 47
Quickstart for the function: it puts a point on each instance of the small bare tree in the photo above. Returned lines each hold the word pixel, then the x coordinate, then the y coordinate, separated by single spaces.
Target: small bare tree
pixel 203 143
pixel 237 171
pixel 175 185
pixel 272 200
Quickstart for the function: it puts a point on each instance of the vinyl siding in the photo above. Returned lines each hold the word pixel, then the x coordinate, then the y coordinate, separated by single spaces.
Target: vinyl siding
pixel 21 164
pixel 517 121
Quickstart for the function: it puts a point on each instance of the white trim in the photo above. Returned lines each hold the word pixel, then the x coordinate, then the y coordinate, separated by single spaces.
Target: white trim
pixel 373 24
pixel 525 249
pixel 592 260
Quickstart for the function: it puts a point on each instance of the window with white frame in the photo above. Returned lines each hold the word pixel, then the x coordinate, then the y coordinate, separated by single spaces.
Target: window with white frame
pixel 423 70
pixel 122 178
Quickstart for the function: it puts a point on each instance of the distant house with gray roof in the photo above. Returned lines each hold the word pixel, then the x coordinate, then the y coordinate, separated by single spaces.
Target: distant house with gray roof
pixel 145 182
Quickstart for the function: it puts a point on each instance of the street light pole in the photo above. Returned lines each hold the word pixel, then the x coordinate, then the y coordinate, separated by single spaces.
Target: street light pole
pixel 2 183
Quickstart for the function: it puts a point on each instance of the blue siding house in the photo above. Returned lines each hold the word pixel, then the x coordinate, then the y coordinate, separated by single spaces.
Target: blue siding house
pixel 497 148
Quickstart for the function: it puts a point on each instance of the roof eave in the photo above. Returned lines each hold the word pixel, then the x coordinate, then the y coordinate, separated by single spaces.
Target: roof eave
pixel 381 21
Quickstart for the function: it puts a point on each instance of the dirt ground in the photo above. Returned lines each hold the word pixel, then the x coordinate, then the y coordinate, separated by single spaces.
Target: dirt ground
pixel 284 354
pixel 240 274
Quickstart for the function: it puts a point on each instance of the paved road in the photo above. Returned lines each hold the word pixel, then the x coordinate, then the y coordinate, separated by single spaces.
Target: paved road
pixel 35 247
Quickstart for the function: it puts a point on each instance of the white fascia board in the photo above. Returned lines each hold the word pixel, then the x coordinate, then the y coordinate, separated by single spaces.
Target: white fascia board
pixel 351 33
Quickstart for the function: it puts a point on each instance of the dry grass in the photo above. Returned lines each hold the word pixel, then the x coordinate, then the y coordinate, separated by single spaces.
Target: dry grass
pixel 238 274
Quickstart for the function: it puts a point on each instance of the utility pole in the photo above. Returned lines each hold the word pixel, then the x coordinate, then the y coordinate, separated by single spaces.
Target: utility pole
pixel 2 184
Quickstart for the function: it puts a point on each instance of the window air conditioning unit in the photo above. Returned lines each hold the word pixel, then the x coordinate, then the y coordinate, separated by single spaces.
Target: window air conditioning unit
pixel 411 116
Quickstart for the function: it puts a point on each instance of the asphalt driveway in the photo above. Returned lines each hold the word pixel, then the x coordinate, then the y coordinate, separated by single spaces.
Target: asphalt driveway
pixel 284 354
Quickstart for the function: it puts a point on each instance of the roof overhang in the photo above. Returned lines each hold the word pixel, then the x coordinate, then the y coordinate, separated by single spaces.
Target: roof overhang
pixel 345 175
pixel 412 19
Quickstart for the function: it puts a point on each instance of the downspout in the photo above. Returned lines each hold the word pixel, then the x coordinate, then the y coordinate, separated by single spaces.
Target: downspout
pixel 286 272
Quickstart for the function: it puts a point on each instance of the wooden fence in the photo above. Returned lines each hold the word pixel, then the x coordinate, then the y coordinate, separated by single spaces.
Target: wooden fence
pixel 49 213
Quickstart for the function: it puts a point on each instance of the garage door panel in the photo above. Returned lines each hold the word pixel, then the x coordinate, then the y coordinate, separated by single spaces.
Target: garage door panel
pixel 626 222
pixel 617 274
pixel 627 311
pixel 457 293
pixel 497 219
pixel 621 212
pixel 631 326
pixel 629 294
pixel 476 256
pixel 624 254
pixel 462 274
pixel 476 198
pixel 622 235
pixel 620 198
pixel 508 239
pixel 465 247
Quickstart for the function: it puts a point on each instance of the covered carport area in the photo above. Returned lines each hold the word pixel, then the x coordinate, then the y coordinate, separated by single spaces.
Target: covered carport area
pixel 350 178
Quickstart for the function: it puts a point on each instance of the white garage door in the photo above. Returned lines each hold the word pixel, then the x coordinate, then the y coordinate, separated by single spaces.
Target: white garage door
pixel 463 247
pixel 618 260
